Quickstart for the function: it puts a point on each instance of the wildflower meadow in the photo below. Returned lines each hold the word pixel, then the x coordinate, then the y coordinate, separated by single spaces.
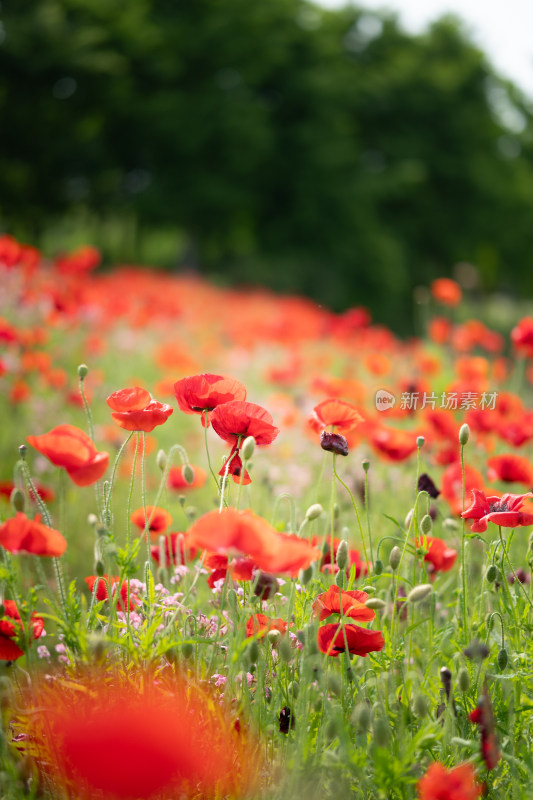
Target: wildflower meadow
pixel 253 548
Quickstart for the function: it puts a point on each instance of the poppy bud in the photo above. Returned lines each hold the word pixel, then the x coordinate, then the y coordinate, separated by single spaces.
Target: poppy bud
pixel 408 519
pixel 502 659
pixel 463 680
pixel 233 601
pixel 395 556
pixel 426 524
pixel 334 443
pixel 265 585
pixel 342 554
pixel 273 637
pixel 253 652
pixel 248 447
pixel 381 731
pixel 187 648
pixel 340 579
pixel 420 706
pixel 17 499
pixel 285 650
pixel 83 371
pixel 360 717
pixel 369 589
pixel 365 463
pixel 330 730
pixel 99 568
pixel 293 689
pixel 313 512
pixel 188 474
pixel 376 603
pixel 334 684
pixel 161 459
pixel 378 567
pixel 464 434
pixel 306 575
pixel 419 592
pixel 492 573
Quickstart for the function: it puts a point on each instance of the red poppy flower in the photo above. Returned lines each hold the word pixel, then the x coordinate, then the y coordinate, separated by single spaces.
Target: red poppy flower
pixel 237 420
pixel 458 783
pixel 107 582
pixel 352 602
pixel 135 410
pixel 393 444
pixel 240 569
pixel 483 716
pixel 331 639
pixel 22 535
pixel 177 550
pixel 510 468
pixel 11 627
pixel 176 479
pixel 259 624
pixel 233 467
pixel 446 291
pixel 504 511
pixel 158 519
pixel 439 556
pixel 522 336
pixel 137 737
pixel 200 394
pixel 288 554
pixel 339 414
pixel 69 447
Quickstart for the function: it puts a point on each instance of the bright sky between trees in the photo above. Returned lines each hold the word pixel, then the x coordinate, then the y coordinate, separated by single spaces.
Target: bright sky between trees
pixel 502 30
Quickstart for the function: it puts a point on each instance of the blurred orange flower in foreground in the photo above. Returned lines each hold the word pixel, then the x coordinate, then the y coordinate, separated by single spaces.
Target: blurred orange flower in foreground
pixel 69 447
pixel 140 736
pixel 458 783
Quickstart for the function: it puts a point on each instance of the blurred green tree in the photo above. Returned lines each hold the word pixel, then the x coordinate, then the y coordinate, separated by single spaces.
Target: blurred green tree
pixel 326 152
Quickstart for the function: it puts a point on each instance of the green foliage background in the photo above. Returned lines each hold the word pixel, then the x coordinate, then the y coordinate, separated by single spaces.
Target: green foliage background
pixel 318 151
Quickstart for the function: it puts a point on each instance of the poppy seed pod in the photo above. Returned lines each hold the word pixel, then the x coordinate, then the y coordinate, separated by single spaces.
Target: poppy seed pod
pixel 464 434
pixel 420 442
pixel 248 447
pixel 365 463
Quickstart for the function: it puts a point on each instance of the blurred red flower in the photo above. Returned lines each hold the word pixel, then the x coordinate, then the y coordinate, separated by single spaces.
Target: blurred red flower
pixel 11 628
pixel 510 468
pixel 339 414
pixel 522 337
pixel 259 624
pixel 158 520
pixel 360 641
pixel 23 535
pixel 504 511
pixel 69 447
pixel 109 583
pixel 176 479
pixel 353 604
pixel 137 738
pixel 439 556
pixel 135 410
pixel 200 394
pixel 446 291
pixel 458 783
pixel 177 549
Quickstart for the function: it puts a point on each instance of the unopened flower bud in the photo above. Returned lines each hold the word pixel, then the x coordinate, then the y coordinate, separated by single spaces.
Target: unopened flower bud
pixel 83 371
pixel 334 684
pixel 331 729
pixel 313 512
pixel 99 568
pixel 463 679
pixel 334 443
pixel 188 474
pixel 502 659
pixel 378 567
pixel 492 573
pixel 420 706
pixel 342 554
pixel 17 499
pixel 426 524
pixel 161 459
pixel 293 689
pixel 274 636
pixel 248 447
pixel 395 556
pixel 381 731
pixel 360 717
pixel 369 589
pixel 253 652
pixel 408 518
pixel 306 575
pixel 233 601
pixel 419 592
pixel 340 579
pixel 376 603
pixel 187 648
pixel 464 434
